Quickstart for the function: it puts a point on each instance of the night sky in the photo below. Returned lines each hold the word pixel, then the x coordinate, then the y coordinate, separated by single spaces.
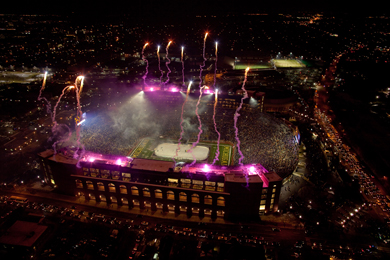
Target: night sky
pixel 174 8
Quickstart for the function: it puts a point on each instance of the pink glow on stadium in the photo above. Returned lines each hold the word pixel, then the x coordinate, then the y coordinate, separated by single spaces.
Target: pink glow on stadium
pixel 91 159
pixel 265 180
pixel 118 162
pixel 173 89
pixel 151 88
pixel 206 168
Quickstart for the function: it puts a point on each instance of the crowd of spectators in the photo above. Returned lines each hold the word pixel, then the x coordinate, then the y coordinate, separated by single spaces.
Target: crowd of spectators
pixel 264 138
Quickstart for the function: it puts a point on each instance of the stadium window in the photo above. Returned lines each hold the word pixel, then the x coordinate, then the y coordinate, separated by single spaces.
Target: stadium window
pixel 86 171
pixel 89 185
pixel 94 172
pixel 273 195
pixel 197 184
pixel 105 174
pixel 262 208
pixel 208 200
pixel 221 201
pixel 148 204
pixel 126 176
pixel 207 212
pixel 210 185
pixel 123 189
pixel 79 184
pixel 113 200
pixel 173 182
pixel 220 213
pixel 264 191
pixel 115 175
pixel 100 186
pixel 136 202
pixel 159 205
pixel 91 196
pixel 182 197
pixel 195 198
pixel 171 207
pixel 195 210
pixel 170 195
pixel 134 191
pixel 263 196
pixel 111 187
pixel 272 201
pixel 262 202
pixel 273 190
pixel 158 194
pixel 146 192
pixel 220 186
pixel 185 183
pixel 183 209
pixel 125 201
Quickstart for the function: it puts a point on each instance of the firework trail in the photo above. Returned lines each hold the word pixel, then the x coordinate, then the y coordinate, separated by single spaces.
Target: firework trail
pixel 78 114
pixel 167 63
pixel 64 140
pixel 58 101
pixel 215 65
pixel 200 96
pixel 215 127
pixel 204 60
pixel 182 64
pixel 159 63
pixel 215 103
pixel 147 64
pixel 82 153
pixel 236 115
pixel 200 126
pixel 53 119
pixel 43 86
pixel 181 119
pixel 48 105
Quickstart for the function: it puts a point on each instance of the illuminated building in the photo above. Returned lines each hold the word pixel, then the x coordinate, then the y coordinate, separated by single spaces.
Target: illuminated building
pixel 215 191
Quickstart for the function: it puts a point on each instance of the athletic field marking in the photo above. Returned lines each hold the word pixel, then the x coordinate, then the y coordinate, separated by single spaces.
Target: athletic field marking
pixel 139 148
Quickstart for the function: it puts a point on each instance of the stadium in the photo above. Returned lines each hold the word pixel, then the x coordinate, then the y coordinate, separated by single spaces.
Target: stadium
pixel 151 118
pixel 145 154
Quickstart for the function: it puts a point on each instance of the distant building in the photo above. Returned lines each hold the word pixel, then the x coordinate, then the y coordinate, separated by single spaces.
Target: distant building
pixel 23 239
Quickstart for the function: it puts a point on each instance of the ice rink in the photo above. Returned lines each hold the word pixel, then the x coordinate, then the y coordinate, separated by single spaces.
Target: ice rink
pixel 168 150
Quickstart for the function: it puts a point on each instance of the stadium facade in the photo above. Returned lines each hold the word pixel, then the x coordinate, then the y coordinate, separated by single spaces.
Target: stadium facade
pixel 234 192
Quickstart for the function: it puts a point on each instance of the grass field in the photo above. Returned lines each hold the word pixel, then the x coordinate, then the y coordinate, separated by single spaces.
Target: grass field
pixel 281 63
pixel 145 150
pixel 252 66
pixel 20 77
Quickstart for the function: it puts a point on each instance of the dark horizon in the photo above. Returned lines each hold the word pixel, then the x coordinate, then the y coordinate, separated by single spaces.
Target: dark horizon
pixel 149 9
